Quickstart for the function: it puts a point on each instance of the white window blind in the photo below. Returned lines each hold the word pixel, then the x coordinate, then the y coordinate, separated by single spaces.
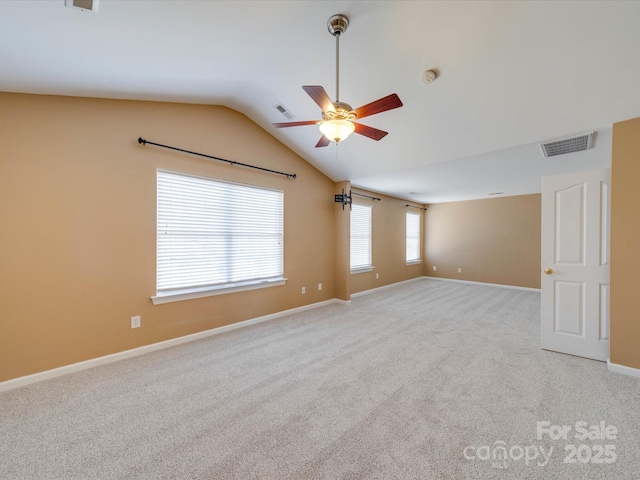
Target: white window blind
pixel 360 236
pixel 212 233
pixel 413 237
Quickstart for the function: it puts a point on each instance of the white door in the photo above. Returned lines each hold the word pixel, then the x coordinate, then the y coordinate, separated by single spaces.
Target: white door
pixel 575 263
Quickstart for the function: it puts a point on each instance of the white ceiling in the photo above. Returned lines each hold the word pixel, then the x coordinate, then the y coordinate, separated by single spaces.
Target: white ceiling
pixel 513 74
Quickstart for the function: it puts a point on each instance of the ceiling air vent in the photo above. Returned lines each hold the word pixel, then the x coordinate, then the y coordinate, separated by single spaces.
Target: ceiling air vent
pixel 281 108
pixel 88 5
pixel 568 145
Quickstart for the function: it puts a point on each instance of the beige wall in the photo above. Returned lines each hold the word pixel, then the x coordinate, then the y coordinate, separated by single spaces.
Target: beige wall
pixel 388 243
pixel 77 207
pixel 342 238
pixel 625 244
pixel 494 240
pixel 77 249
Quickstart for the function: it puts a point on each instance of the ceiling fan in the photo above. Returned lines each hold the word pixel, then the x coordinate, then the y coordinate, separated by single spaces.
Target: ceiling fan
pixel 338 118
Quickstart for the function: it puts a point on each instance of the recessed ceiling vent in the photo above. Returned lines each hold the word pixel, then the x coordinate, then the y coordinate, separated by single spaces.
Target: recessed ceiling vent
pixel 86 5
pixel 281 108
pixel 568 145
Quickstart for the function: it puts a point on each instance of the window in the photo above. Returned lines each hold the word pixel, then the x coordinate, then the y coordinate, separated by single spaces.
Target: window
pixel 361 238
pixel 216 237
pixel 413 237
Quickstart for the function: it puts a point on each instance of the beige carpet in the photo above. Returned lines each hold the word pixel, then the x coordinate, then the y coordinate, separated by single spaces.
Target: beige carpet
pixel 428 380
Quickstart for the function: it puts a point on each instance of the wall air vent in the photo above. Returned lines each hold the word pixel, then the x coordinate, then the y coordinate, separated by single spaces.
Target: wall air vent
pixel 281 108
pixel 85 5
pixel 568 145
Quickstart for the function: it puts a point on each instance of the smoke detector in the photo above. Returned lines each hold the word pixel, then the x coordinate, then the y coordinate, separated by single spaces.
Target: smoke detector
pixel 430 75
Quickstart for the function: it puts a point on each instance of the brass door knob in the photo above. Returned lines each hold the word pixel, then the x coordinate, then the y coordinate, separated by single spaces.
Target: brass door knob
pixel 548 271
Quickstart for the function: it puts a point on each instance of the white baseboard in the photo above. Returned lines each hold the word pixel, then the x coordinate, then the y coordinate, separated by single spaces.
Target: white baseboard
pixel 343 302
pixel 615 368
pixel 135 352
pixel 513 287
pixel 384 287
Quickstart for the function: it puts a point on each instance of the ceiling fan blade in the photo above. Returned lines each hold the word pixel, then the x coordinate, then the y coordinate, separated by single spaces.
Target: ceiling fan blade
pixel 317 93
pixel 323 142
pixel 381 105
pixel 294 124
pixel 370 132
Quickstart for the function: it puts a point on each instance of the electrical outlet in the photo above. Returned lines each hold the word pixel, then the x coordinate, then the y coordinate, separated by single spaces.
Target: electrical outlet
pixel 135 321
pixel 435 268
pixel 377 276
pixel 459 270
pixel 319 286
pixel 304 290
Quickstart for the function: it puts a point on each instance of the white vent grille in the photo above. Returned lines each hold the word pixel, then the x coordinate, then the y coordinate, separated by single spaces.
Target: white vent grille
pixel 85 5
pixel 568 145
pixel 281 108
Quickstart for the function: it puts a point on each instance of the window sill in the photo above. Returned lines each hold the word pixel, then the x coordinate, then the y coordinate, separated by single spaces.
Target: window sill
pixel 191 293
pixel 362 269
pixel 414 262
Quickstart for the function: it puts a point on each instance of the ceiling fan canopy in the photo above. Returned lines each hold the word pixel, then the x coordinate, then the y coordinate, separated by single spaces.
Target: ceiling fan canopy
pixel 338 118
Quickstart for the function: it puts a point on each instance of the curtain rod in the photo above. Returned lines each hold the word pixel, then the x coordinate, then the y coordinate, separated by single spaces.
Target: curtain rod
pixel 367 196
pixel 412 206
pixel 142 141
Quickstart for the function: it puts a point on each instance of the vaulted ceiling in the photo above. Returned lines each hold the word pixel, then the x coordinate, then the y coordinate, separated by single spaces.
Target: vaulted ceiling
pixel 512 74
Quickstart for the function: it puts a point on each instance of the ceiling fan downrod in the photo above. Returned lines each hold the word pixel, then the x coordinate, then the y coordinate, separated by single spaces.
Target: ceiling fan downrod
pixel 337 25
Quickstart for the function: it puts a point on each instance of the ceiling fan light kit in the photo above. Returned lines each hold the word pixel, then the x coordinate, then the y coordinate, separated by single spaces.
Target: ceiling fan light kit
pixel 337 130
pixel 338 118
